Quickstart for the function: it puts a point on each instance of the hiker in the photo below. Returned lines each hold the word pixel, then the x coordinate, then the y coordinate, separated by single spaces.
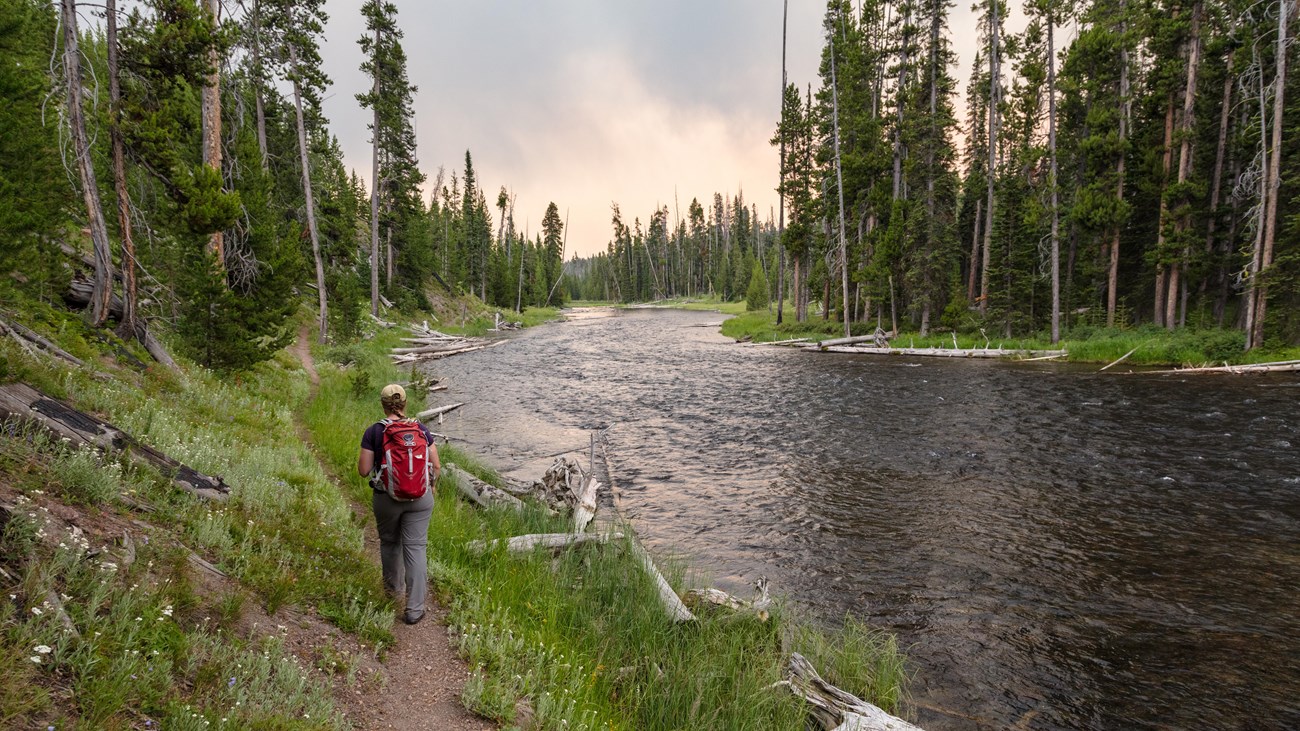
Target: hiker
pixel 402 480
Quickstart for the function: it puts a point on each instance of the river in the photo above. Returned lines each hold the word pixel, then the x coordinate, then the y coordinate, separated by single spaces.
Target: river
pixel 1056 548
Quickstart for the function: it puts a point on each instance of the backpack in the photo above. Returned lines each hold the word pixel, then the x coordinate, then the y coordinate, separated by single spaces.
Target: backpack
pixel 404 464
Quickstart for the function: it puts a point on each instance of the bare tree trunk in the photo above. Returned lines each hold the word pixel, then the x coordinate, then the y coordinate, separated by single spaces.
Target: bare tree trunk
pixel 1112 279
pixel 1051 148
pixel 1177 287
pixel 212 127
pixel 1167 160
pixel 780 226
pixel 1216 183
pixel 130 325
pixel 993 148
pixel 258 81
pixel 973 275
pixel 839 184
pixel 374 190
pixel 103 257
pixel 305 161
pixel 1256 336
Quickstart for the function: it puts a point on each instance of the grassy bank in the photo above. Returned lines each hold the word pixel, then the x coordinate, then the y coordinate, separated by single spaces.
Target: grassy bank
pixel 1154 346
pixel 580 638
pixel 108 624
pixel 148 641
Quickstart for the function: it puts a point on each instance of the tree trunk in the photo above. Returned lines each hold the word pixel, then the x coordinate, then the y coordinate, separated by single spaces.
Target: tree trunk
pixel 1216 182
pixel 212 127
pixel 103 257
pixel 1112 278
pixel 993 147
pixel 839 184
pixel 130 326
pixel 374 189
pixel 973 275
pixel 258 84
pixel 1256 336
pixel 1052 178
pixel 1176 284
pixel 1167 160
pixel 780 226
pixel 305 161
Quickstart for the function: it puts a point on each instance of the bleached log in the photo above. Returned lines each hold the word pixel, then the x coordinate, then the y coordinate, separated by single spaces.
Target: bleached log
pixel 718 598
pixel 431 413
pixel 384 301
pixel 411 357
pixel 480 492
pixel 528 543
pixel 942 352
pixel 428 349
pixel 846 341
pixel 1120 359
pixel 22 402
pixel 1280 366
pixel 382 323
pixel 672 603
pixel 835 709
pixel 791 341
pixel 585 509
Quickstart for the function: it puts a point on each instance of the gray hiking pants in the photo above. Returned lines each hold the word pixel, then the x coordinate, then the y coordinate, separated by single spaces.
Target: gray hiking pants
pixel 403 535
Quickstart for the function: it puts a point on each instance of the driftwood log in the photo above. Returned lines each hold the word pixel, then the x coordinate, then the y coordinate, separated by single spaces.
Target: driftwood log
pixel 433 413
pixel 533 541
pixel 697 598
pixel 1280 366
pixel 28 339
pixel 940 352
pixel 672 603
pixel 479 492
pixel 24 403
pixel 835 709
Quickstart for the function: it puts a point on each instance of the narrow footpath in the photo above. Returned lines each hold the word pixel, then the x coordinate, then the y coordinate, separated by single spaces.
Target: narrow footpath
pixel 422 675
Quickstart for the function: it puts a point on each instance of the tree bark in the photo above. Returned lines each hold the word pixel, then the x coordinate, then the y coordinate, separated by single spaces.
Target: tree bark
pixel 103 258
pixel 258 83
pixel 130 326
pixel 1112 278
pixel 1167 160
pixel 1052 181
pixel 1216 182
pixel 309 198
pixel 374 186
pixel 993 147
pixel 839 184
pixel 1176 283
pixel 1256 337
pixel 780 226
pixel 212 126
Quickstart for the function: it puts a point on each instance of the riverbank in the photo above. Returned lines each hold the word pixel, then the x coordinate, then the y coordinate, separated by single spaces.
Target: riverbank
pixel 1145 345
pixel 142 604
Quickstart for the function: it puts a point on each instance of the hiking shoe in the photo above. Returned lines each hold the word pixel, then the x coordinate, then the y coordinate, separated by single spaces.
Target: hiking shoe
pixel 413 616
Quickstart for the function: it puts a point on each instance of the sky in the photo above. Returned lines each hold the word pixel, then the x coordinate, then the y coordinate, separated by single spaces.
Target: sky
pixel 585 103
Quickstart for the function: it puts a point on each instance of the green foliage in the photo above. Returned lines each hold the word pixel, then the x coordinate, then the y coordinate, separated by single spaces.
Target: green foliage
pixel 756 296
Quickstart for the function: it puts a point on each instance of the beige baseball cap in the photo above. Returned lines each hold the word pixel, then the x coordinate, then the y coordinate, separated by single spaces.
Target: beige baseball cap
pixel 393 392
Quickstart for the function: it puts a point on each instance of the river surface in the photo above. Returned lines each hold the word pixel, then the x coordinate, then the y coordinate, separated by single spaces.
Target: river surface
pixel 1056 548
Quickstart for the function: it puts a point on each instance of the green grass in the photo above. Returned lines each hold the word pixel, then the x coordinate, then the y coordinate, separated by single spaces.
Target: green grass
pixel 582 635
pixel 1155 346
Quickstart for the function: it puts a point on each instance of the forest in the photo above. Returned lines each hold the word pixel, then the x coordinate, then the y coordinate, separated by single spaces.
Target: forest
pixel 1119 162
pixel 182 146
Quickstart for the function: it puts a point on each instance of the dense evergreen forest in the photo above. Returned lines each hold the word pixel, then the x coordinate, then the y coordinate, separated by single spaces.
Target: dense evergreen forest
pixel 183 154
pixel 1140 173
pixel 1119 162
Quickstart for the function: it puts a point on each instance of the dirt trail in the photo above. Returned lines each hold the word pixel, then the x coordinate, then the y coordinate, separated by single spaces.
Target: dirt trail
pixel 422 674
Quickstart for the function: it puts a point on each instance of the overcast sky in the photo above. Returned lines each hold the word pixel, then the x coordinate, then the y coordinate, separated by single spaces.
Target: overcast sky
pixel 589 102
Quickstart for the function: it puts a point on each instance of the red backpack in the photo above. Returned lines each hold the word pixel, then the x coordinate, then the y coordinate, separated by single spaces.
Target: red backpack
pixel 404 465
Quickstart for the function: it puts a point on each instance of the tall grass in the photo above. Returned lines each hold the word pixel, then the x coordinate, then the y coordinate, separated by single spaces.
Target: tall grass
pixel 581 635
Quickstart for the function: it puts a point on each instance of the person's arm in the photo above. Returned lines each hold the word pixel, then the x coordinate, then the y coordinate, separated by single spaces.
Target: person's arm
pixel 365 462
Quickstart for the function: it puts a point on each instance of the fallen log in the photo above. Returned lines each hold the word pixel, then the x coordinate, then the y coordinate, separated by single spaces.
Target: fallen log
pixel 412 357
pixel 479 492
pixel 79 293
pixel 528 543
pixel 846 341
pixel 585 509
pixel 28 338
pixel 431 413
pixel 1281 366
pixel 835 709
pixel 24 403
pixel 672 603
pixel 716 597
pixel 1120 359
pixel 940 352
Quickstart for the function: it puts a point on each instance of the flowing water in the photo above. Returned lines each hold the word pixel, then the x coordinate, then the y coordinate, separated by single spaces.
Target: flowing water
pixel 1056 548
